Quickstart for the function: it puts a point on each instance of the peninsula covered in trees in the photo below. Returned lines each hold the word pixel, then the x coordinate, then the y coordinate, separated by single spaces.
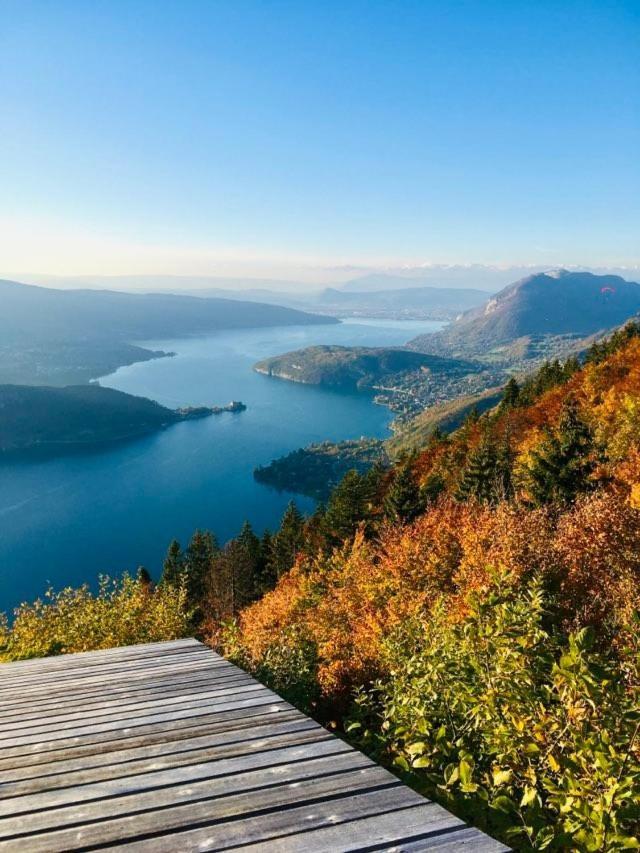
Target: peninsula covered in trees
pixel 54 420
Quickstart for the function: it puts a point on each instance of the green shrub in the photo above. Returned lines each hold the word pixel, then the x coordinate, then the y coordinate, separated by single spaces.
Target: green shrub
pixel 529 735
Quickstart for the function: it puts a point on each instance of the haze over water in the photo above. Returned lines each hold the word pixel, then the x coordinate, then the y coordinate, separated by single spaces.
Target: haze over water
pixel 64 520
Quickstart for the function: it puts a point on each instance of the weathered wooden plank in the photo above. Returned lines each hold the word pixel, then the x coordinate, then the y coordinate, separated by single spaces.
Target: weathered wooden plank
pixel 107 690
pixel 175 776
pixel 68 664
pixel 207 751
pixel 106 671
pixel 46 733
pixel 228 806
pixel 115 694
pixel 257 829
pixel 165 732
pixel 206 789
pixel 43 776
pixel 122 709
pixel 403 830
pixel 114 737
pixel 82 658
pixel 77 687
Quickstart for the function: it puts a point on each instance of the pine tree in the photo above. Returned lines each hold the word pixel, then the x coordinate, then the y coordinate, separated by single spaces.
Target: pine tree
pixel 315 530
pixel 144 578
pixel 431 489
pixel 403 501
pixel 472 417
pixel 510 394
pixel 250 551
pixel 248 540
pixel 351 504
pixel 437 437
pixel 231 580
pixel 479 476
pixel 287 541
pixel 561 467
pixel 173 566
pixel 266 577
pixel 503 481
pixel 198 560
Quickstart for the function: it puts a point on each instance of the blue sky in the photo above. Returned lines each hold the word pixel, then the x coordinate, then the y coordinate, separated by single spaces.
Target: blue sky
pixel 205 137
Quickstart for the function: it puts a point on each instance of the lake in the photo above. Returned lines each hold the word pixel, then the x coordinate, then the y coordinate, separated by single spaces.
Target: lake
pixel 63 521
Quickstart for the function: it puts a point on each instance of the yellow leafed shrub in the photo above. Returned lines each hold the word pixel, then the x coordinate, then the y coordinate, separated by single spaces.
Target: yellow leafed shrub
pixel 123 612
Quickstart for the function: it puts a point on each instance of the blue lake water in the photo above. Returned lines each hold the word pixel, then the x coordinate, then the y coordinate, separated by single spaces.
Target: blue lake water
pixel 63 521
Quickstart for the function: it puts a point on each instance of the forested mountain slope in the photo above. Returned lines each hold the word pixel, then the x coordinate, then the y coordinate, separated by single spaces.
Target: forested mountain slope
pixel 481 600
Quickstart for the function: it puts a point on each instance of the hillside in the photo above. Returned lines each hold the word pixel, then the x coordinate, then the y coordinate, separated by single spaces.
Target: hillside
pixel 55 419
pixel 446 417
pixel 63 336
pixel 354 367
pixel 470 617
pixel 536 310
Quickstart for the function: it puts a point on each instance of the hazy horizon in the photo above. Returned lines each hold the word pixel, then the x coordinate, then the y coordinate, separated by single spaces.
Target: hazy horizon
pixel 482 277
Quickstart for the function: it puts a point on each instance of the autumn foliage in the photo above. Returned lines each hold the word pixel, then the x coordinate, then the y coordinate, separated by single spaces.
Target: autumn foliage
pixel 531 545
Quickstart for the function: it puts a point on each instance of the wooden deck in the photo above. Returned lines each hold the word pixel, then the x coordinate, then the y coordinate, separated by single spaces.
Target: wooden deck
pixel 168 747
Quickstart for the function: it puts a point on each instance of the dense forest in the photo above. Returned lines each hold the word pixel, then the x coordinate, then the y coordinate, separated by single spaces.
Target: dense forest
pixel 468 617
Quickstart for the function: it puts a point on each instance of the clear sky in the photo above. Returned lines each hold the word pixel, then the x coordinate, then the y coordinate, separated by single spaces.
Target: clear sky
pixel 181 136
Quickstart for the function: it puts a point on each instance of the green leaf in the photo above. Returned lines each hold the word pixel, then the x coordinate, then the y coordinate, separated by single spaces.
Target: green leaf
pixel 503 804
pixel 401 761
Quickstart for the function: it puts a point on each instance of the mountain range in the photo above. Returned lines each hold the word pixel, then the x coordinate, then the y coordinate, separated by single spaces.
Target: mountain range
pixel 52 336
pixel 543 305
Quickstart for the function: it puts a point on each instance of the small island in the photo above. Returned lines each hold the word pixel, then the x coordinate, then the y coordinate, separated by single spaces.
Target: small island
pixel 188 413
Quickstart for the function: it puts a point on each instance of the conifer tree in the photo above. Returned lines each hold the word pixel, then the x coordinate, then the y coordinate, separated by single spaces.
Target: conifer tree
pixel 432 488
pixel 350 505
pixel 503 481
pixel 249 542
pixel 198 560
pixel 287 541
pixel 560 469
pixel 250 551
pixel 231 580
pixel 173 566
pixel 479 476
pixel 511 394
pixel 144 577
pixel 437 437
pixel 266 578
pixel 315 530
pixel 403 501
pixel 472 417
